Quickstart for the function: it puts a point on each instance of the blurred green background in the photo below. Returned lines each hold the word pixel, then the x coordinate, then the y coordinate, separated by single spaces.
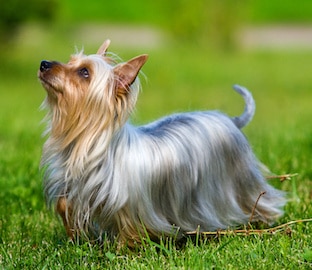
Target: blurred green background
pixel 194 46
pixel 198 49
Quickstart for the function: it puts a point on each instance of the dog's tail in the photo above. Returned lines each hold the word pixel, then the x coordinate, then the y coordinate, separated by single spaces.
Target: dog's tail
pixel 250 107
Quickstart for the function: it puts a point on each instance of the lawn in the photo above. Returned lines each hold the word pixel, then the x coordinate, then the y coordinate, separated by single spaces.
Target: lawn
pixel 178 78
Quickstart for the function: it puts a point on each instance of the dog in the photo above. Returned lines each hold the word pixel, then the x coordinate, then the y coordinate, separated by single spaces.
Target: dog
pixel 184 172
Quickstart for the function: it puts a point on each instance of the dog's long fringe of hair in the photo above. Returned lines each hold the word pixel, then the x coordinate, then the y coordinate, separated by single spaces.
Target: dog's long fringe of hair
pixel 178 173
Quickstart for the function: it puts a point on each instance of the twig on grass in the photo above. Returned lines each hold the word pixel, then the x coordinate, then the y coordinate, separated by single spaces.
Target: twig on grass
pixel 254 208
pixel 253 231
pixel 282 177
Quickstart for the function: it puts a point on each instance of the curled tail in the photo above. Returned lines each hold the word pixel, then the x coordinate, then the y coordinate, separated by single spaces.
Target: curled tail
pixel 250 107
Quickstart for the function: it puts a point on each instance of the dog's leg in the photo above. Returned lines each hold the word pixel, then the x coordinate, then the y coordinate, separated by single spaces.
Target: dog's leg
pixel 65 212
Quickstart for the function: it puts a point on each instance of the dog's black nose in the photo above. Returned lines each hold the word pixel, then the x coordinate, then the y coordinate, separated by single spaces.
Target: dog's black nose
pixel 45 65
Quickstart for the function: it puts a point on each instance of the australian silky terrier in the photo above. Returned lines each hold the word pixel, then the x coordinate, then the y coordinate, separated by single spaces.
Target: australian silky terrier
pixel 184 172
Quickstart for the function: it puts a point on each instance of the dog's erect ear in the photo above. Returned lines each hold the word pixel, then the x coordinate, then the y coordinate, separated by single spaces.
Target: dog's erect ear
pixel 126 73
pixel 102 50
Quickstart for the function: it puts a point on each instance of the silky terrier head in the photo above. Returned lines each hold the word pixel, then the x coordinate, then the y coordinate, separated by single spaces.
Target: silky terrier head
pixel 90 85
pixel 180 173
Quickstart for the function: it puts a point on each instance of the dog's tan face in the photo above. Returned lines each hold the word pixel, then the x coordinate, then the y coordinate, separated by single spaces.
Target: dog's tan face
pixel 74 78
pixel 65 80
pixel 62 80
pixel 89 91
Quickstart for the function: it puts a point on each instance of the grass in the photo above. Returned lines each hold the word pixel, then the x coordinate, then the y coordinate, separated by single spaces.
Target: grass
pixel 179 78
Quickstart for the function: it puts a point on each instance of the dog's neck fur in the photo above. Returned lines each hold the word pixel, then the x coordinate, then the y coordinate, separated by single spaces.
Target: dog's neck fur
pixel 81 148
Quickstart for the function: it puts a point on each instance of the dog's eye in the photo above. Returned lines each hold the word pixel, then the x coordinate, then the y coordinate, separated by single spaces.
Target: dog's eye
pixel 84 72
